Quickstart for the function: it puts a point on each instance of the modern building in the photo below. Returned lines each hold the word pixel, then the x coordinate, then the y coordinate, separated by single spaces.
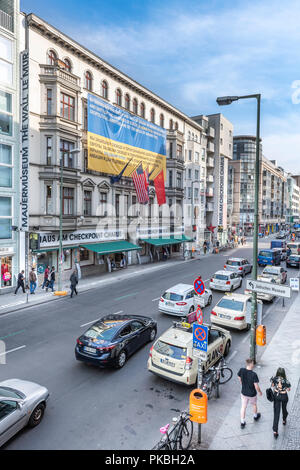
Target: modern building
pixel 62 73
pixel 9 144
pixel 292 200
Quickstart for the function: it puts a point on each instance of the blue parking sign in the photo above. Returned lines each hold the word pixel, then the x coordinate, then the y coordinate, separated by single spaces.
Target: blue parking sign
pixel 200 337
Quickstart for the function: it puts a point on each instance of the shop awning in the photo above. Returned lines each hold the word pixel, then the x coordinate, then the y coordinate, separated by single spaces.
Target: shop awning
pixel 111 247
pixel 165 241
pixel 46 250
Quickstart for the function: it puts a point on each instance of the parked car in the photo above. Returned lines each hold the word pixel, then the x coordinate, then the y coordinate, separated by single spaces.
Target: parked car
pixel 204 299
pixel 231 311
pixel 277 273
pixel 178 300
pixel 22 403
pixel 293 261
pixel 113 338
pixel 240 265
pixel 171 356
pixel 281 235
pixel 294 247
pixel 225 281
pixel 269 256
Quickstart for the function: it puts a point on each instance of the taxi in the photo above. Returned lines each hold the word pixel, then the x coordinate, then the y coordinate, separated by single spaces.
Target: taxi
pixel 231 311
pixel 277 273
pixel 171 356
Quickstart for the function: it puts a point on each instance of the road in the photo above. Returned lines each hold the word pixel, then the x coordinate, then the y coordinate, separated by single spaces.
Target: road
pixel 91 408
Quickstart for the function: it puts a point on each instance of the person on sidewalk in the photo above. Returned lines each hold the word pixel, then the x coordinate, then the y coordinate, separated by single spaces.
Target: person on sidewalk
pixel 32 280
pixel 249 381
pixel 21 279
pixel 46 277
pixel 51 280
pixel 280 386
pixel 74 282
pixel 205 247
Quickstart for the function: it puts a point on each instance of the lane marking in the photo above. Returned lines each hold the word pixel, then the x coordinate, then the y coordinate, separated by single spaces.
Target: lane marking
pixel 12 334
pixel 125 296
pixel 231 356
pixel 93 321
pixel 12 350
pixel 153 300
pixel 246 338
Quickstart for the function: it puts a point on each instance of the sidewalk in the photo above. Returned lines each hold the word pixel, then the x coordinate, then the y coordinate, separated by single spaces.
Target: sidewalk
pixel 283 351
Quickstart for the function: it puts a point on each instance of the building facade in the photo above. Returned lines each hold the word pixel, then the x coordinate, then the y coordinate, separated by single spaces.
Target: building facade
pixel 292 200
pixel 9 145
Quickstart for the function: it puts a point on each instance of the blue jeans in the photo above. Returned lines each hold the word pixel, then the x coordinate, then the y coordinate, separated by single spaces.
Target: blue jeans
pixel 51 284
pixel 32 286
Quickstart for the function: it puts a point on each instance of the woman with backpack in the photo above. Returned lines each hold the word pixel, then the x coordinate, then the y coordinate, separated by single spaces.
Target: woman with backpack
pixel 280 386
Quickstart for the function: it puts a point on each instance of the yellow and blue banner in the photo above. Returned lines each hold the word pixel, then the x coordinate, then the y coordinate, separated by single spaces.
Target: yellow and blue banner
pixel 116 137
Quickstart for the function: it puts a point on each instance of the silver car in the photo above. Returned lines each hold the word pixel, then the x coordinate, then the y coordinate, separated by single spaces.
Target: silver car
pixel 239 265
pixel 22 403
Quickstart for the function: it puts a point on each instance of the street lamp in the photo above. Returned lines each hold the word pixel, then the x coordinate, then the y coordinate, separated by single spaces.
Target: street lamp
pixel 222 101
pixel 68 152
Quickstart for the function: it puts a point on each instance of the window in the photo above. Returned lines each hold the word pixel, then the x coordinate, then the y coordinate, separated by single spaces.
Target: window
pixel 49 150
pixel 67 106
pixel 87 207
pixel 196 193
pixel 119 97
pixel 176 126
pixel 189 193
pixel 179 151
pixel 127 102
pixel 49 101
pixel 5 166
pixel 49 207
pixel 152 115
pixel 68 66
pixel 197 175
pixel 5 113
pixel 105 89
pixel 117 205
pixel 161 120
pixel 85 118
pixel 6 408
pixel 190 155
pixel 178 180
pixel 135 106
pixel 88 81
pixel 103 203
pixel 51 58
pixel 68 158
pixel 84 254
pixel 5 218
pixel 170 178
pixel 126 204
pixel 171 150
pixel 6 65
pixel 142 110
pixel 68 201
pixel 134 206
pixel 189 174
pixel 171 125
pixel 197 157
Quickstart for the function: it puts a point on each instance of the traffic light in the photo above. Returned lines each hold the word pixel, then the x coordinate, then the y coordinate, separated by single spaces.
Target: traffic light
pixel 34 241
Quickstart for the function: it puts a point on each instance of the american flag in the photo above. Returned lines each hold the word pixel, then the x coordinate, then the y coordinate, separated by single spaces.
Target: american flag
pixel 140 183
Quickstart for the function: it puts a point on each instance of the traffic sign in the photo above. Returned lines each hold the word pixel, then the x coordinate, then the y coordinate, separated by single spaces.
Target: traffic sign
pixel 268 288
pixel 200 337
pixel 199 354
pixel 294 283
pixel 199 286
pixel 199 315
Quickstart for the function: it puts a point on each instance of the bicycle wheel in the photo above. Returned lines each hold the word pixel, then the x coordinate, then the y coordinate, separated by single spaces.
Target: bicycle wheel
pixel 226 374
pixel 185 434
pixel 162 446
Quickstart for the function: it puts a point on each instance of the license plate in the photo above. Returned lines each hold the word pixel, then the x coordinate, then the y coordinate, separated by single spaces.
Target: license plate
pixel 90 350
pixel 167 362
pixel 169 304
pixel 293 264
pixel 227 317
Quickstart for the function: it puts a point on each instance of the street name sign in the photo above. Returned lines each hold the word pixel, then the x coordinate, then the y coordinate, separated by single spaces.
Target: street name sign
pixel 269 288
pixel 294 283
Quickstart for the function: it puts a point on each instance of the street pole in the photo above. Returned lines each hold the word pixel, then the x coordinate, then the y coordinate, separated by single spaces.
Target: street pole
pixel 199 384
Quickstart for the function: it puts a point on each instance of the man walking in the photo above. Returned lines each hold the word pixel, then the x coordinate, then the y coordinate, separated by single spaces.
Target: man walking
pixel 32 280
pixel 46 277
pixel 249 381
pixel 51 280
pixel 74 282
pixel 205 246
pixel 21 279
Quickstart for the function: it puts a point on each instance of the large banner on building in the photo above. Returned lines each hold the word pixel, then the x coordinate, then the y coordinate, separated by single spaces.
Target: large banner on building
pixel 115 138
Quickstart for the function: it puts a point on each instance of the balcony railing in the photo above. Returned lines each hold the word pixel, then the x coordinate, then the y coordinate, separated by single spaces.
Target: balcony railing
pixel 59 73
pixel 210 178
pixel 210 147
pixel 210 162
pixel 6 21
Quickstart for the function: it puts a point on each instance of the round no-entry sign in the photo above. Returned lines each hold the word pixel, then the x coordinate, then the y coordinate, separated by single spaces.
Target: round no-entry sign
pixel 199 315
pixel 199 286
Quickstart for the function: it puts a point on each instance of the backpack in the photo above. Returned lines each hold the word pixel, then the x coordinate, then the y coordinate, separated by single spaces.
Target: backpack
pixel 270 394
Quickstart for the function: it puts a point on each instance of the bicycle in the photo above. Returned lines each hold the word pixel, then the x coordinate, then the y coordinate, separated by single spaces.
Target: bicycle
pixel 216 375
pixel 180 435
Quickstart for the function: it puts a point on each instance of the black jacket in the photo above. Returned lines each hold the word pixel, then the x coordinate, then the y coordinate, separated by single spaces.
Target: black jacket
pixel 74 279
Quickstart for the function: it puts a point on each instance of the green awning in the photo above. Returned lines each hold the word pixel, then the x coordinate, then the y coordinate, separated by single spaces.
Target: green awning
pixel 162 241
pixel 46 250
pixel 185 239
pixel 111 247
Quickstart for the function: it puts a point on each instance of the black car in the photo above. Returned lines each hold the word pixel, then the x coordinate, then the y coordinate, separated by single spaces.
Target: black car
pixel 293 261
pixel 113 338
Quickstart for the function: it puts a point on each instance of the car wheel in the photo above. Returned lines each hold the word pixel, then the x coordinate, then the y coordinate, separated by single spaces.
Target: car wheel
pixel 250 270
pixel 152 335
pixel 209 300
pixel 231 288
pixel 227 347
pixel 243 274
pixel 121 359
pixel 248 326
pixel 37 415
pixel 240 283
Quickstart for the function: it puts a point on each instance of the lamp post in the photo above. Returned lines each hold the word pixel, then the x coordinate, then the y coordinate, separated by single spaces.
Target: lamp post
pixel 222 101
pixel 68 152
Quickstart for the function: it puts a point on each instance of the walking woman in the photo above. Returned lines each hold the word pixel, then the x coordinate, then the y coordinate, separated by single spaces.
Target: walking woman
pixel 280 386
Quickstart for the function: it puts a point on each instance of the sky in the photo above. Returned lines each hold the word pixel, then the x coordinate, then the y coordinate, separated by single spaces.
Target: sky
pixel 191 52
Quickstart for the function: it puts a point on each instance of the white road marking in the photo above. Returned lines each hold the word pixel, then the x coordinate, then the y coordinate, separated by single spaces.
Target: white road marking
pixel 12 350
pixel 231 356
pixel 93 321
pixel 153 300
pixel 246 338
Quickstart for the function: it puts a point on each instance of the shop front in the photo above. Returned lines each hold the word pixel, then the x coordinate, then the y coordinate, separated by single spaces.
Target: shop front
pixel 8 274
pixel 160 249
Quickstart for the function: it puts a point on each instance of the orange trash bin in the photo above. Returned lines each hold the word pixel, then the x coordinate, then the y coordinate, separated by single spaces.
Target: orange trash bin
pixel 261 335
pixel 198 406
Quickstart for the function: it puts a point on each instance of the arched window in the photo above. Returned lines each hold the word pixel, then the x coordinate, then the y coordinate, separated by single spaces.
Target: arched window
pixel 176 126
pixel 142 110
pixel 119 97
pixel 127 101
pixel 68 66
pixel 135 106
pixel 171 124
pixel 88 81
pixel 105 89
pixel 51 57
pixel 161 120
pixel 152 115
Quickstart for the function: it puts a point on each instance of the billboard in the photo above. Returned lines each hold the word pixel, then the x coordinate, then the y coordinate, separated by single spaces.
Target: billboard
pixel 116 137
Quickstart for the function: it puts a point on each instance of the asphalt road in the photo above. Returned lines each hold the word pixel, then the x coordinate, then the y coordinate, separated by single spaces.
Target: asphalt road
pixel 91 408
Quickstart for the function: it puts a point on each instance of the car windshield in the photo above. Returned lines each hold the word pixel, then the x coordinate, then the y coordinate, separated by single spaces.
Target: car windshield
pixel 172 296
pixel 231 304
pixel 233 263
pixel 294 258
pixel 222 277
pixel 10 392
pixel 103 330
pixel 267 254
pixel 270 271
pixel 170 350
pixel 292 247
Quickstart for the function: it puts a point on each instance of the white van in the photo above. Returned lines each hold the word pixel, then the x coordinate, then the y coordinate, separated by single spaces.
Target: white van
pixel 294 247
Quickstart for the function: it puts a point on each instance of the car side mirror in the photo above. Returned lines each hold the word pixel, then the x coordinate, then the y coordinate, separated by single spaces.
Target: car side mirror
pixel 20 405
